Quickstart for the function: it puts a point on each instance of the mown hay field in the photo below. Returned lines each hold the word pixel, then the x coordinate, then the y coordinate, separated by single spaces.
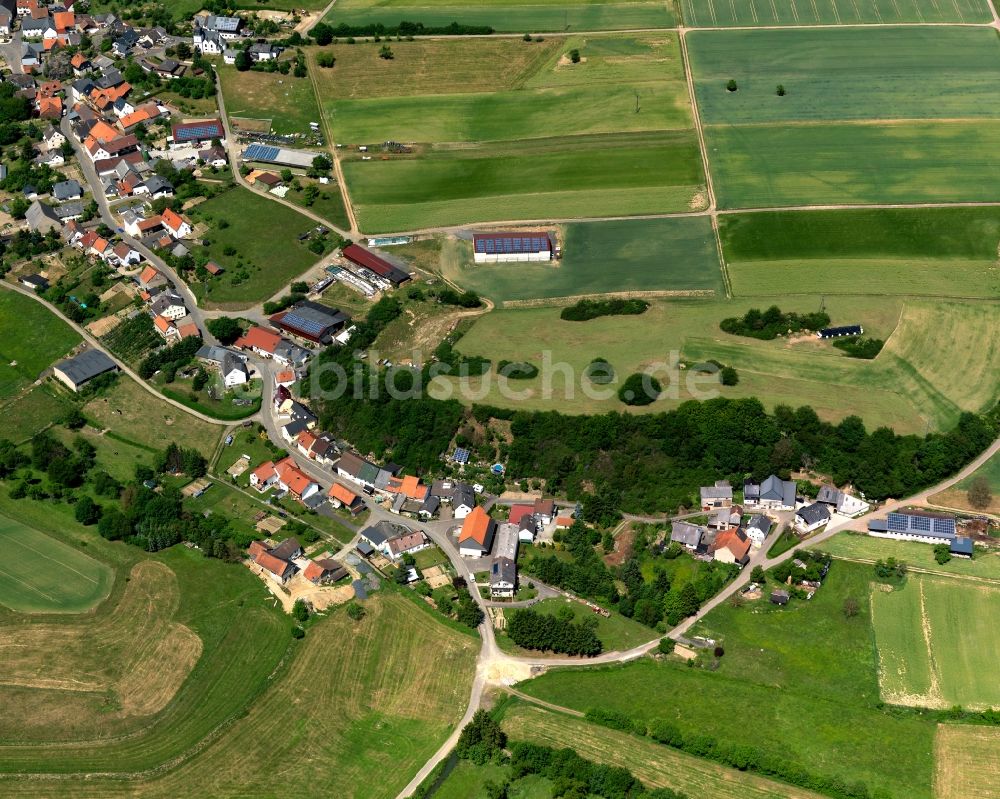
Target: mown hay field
pixel 655 765
pixel 354 696
pixel 40 574
pixel 937 642
pixel 967 759
pixel 24 357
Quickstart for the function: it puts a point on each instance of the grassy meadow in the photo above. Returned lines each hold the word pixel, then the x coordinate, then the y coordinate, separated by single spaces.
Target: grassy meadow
pixel 937 642
pixel 643 255
pixel 907 387
pixel 509 16
pixel 957 497
pixel 507 129
pixel 616 633
pixel 845 74
pixel 43 575
pixel 798 682
pixel 289 102
pixel 913 251
pixel 261 265
pixel 741 13
pixel 984 566
pixel 24 358
pixel 25 414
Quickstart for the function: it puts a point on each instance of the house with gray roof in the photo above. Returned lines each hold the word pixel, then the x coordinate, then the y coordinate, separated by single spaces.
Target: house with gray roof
pixel 811 517
pixel 42 218
pixel 687 535
pixel 757 529
pixel 67 190
pixel 773 493
pixel 718 496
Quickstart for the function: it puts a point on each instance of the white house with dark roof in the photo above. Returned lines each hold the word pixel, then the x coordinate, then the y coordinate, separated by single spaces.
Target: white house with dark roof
pixel 811 517
pixel 773 493
pixel 757 529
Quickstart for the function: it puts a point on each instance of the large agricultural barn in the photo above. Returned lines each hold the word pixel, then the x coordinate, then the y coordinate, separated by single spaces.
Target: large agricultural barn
pixel 489 248
pixel 279 156
pixel 359 256
pixel 78 371
pixel 311 321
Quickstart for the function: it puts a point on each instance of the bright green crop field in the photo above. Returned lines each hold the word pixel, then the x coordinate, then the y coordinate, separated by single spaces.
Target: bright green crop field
pixel 937 641
pixel 846 73
pixel 665 255
pixel 510 15
pixel 733 13
pixel 572 177
pixel 42 575
pixel 945 252
pixel 783 165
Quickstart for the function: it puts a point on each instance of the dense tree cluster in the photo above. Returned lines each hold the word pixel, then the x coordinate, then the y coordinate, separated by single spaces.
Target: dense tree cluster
pixel 517 370
pixel 585 310
pixel 533 630
pixel 773 322
pixel 481 740
pixel 324 34
pixel 225 329
pixel 573 776
pixel 170 359
pixel 854 347
pixel 585 574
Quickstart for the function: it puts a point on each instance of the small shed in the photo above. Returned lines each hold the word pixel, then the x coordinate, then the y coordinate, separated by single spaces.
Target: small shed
pixel 779 597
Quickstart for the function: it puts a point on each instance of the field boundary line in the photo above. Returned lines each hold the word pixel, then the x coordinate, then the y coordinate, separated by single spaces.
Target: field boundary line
pixel 29 586
pixel 548 302
pixel 972 578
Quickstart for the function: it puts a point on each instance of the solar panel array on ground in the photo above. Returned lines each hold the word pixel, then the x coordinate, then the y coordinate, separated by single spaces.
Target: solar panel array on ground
pixel 260 152
pixel 461 456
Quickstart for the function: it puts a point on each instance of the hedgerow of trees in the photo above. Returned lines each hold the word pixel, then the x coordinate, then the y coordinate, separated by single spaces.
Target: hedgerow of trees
pixel 772 323
pixel 585 310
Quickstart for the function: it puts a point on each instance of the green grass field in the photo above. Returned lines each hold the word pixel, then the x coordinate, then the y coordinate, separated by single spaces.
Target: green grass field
pixel 289 102
pixel 797 682
pixel 267 262
pixel 986 564
pixel 329 204
pixel 734 13
pixel 966 757
pixel 812 164
pixel 845 74
pixel 510 15
pixel 929 251
pixel 25 415
pixel 561 178
pixel 507 129
pixel 666 255
pixel 24 358
pixel 370 698
pixel 937 642
pixel 43 575
pixel 907 387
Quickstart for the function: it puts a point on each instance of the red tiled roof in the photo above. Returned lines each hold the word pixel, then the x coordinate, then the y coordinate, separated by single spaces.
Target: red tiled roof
pixel 339 492
pixel 518 512
pixel 259 337
pixel 475 527
pixel 272 564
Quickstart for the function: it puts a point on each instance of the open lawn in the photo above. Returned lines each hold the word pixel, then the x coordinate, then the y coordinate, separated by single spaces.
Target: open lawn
pixel 551 97
pixel 289 102
pixel 329 204
pixel 655 765
pixel 957 497
pixel 729 13
pixel 43 575
pixel 26 414
pixel 816 164
pixel 915 251
pixel 654 255
pixel 966 759
pixel 260 266
pixel 907 387
pixel 579 176
pixel 937 642
pixel 845 74
pixel 985 565
pixel 363 677
pixel 509 15
pixel 24 358
pixel 804 674
pixel 130 412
